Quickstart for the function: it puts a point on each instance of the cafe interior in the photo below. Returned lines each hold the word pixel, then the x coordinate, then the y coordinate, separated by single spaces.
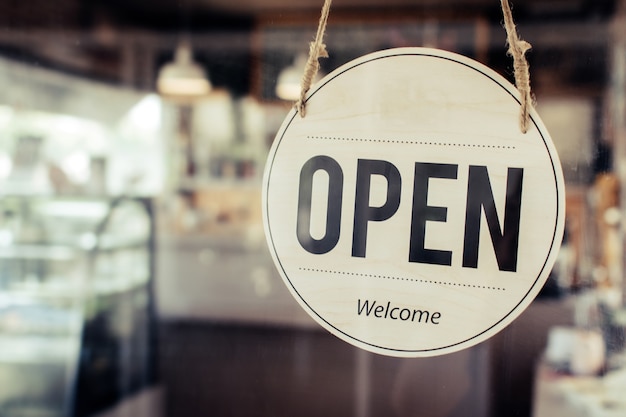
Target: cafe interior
pixel 135 276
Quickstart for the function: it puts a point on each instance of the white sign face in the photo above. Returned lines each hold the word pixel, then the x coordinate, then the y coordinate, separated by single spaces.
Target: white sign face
pixel 407 213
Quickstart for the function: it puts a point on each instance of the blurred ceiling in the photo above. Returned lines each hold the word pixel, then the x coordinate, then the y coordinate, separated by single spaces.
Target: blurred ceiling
pixel 125 41
pixel 205 14
pixel 255 7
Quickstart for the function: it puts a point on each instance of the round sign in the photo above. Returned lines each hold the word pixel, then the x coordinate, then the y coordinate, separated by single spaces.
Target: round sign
pixel 407 213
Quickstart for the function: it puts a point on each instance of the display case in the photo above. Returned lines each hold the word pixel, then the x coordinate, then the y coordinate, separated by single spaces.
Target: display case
pixel 76 304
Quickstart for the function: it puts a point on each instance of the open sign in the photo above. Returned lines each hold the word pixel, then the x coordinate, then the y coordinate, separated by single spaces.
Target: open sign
pixel 407 213
pixel 479 200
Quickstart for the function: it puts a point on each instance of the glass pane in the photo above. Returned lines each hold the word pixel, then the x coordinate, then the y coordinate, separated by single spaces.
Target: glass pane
pixel 135 273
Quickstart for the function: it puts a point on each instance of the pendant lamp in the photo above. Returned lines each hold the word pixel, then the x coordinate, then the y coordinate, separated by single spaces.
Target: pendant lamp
pixel 183 77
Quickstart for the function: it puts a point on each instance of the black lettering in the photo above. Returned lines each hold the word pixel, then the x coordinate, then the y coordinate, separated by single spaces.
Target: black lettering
pixel 363 212
pixel 435 316
pixel 422 212
pixel 390 312
pixel 366 307
pixel 421 313
pixel 480 198
pixel 333 210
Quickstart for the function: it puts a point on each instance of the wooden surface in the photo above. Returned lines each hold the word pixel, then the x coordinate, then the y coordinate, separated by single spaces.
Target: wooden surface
pixel 399 137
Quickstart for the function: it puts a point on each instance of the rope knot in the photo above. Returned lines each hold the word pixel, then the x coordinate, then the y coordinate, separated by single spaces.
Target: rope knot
pixel 317 49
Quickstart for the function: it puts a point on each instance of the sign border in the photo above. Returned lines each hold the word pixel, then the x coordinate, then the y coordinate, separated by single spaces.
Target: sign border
pixel 558 179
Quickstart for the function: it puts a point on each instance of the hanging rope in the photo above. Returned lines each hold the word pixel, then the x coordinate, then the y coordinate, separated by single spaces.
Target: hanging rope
pixel 518 49
pixel 317 49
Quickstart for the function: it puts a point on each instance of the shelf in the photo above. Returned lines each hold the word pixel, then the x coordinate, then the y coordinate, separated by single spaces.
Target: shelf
pixel 39 252
pixel 195 184
pixel 23 349
pixel 71 290
pixel 52 252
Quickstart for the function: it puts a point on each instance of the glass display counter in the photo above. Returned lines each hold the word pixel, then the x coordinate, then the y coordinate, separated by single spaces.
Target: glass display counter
pixel 76 304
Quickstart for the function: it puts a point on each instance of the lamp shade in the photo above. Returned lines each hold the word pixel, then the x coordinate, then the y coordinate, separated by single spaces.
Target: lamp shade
pixel 183 77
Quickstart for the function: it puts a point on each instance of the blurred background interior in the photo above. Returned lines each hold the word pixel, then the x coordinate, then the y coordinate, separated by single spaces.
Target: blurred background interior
pixel 134 276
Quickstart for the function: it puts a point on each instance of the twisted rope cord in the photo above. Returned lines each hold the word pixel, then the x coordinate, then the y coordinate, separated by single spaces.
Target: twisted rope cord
pixel 518 49
pixel 317 49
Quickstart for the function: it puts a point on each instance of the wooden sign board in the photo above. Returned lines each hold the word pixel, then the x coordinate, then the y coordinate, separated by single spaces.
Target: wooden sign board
pixel 407 213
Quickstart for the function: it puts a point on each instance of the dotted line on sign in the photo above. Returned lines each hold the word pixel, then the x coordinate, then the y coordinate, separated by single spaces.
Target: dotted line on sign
pixel 424 281
pixel 413 142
